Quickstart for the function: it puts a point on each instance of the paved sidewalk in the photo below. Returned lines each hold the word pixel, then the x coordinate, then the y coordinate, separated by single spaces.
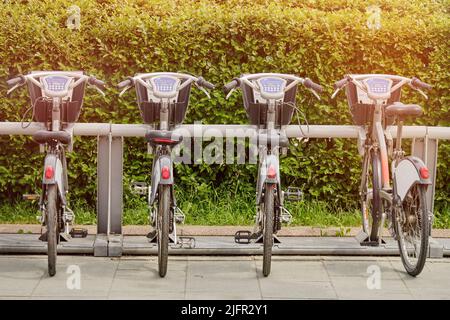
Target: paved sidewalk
pixel 212 277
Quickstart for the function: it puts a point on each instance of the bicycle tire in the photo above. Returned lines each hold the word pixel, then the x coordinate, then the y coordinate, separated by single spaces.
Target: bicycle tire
pixel 411 268
pixel 163 229
pixel 376 196
pixel 268 227
pixel 364 194
pixel 52 228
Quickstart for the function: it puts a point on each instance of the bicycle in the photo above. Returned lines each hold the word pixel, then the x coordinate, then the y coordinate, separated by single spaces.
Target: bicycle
pixel 269 99
pixel 57 98
pixel 375 103
pixel 163 97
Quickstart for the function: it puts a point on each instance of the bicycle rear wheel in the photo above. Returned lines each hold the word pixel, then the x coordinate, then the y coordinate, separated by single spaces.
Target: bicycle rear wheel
pixel 268 227
pixel 52 227
pixel 412 228
pixel 163 228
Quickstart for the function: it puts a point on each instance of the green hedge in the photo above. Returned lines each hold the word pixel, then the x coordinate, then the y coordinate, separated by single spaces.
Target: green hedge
pixel 219 40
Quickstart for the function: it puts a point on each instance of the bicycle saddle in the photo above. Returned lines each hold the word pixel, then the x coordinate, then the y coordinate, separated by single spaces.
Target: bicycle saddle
pixel 273 139
pixel 163 137
pixel 403 110
pixel 44 136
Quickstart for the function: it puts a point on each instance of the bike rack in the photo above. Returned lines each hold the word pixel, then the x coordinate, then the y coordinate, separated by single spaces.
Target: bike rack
pixel 110 142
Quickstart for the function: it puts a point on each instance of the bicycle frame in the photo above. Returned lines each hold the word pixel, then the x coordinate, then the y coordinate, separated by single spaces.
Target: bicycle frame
pixel 404 174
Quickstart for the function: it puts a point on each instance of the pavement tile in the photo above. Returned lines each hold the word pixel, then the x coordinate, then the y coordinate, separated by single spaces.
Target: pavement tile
pixel 360 268
pixel 139 282
pixel 299 270
pixel 293 289
pixel 357 288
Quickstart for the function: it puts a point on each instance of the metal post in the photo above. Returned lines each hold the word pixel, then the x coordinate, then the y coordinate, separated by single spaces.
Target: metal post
pixel 427 150
pixel 101 241
pixel 109 196
pixel 116 184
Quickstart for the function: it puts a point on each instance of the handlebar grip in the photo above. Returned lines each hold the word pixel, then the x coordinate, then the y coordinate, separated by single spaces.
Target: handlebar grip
pixel 419 84
pixel 124 84
pixel 308 83
pixel 12 82
pixel 205 84
pixel 340 84
pixel 98 83
pixel 230 86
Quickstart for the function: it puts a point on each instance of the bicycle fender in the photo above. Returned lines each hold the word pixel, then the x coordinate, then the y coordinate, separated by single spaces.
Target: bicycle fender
pixel 270 163
pixel 408 173
pixel 158 177
pixel 52 161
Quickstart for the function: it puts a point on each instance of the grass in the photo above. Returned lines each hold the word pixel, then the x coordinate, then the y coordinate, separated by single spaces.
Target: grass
pixel 213 207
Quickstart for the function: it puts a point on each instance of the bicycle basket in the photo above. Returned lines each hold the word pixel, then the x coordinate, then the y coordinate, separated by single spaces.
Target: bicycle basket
pixel 70 110
pixel 150 110
pixel 363 113
pixel 257 112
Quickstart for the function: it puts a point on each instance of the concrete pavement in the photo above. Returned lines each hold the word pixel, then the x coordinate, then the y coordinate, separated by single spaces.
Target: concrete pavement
pixel 218 277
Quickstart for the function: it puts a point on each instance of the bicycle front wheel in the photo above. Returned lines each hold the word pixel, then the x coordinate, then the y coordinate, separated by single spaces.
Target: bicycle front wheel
pixel 163 228
pixel 371 204
pixel 268 227
pixel 52 228
pixel 412 229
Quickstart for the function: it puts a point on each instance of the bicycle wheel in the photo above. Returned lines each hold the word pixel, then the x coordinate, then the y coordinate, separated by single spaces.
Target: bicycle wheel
pixel 268 227
pixel 52 228
pixel 376 197
pixel 412 229
pixel 163 228
pixel 371 205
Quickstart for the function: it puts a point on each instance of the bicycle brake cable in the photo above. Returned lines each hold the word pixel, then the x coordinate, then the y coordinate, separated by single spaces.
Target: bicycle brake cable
pixel 32 115
pixel 299 112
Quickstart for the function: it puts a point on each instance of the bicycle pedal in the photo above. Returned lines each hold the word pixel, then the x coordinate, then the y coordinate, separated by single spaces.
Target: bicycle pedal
pixel 140 188
pixel 293 194
pixel 370 243
pixel 78 233
pixel 152 236
pixel 30 197
pixel 243 237
pixel 186 242
pixel 179 216
pixel 68 216
pixel 286 216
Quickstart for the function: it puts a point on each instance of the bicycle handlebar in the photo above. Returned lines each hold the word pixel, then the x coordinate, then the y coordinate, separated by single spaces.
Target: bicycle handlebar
pixel 308 83
pixel 14 81
pixel 415 82
pixel 230 86
pixel 341 83
pixel 205 84
pixel 96 82
pixel 125 83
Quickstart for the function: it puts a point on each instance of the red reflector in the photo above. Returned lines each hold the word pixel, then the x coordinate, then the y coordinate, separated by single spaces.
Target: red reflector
pixel 165 173
pixel 424 173
pixel 49 172
pixel 271 173
pixel 162 140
